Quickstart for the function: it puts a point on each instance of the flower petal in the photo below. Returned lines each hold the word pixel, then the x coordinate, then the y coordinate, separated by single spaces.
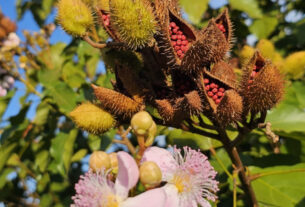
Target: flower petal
pixel 151 198
pixel 128 174
pixel 171 195
pixel 162 158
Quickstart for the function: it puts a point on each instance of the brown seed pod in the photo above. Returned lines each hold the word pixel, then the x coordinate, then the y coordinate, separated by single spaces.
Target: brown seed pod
pixel 223 22
pixel 116 103
pixel 131 82
pixel 230 108
pixel 192 103
pixel 2 33
pixel 165 109
pixel 262 85
pixel 211 47
pixel 225 73
pixel 8 25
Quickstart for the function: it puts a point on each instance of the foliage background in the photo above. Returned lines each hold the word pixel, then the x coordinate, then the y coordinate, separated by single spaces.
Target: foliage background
pixel 42 154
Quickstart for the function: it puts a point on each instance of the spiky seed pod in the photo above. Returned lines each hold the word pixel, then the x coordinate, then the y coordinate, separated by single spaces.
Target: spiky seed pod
pixel 74 16
pixel 246 54
pixel 192 103
pixel 134 22
pixel 266 48
pixel 174 37
pixel 210 48
pixel 101 5
pixel 230 108
pixel 131 82
pixel 165 109
pixel 182 83
pixel 262 85
pixel 115 102
pixel 88 2
pixel 224 72
pixel 223 23
pixel 92 118
pixel 8 25
pixel 294 65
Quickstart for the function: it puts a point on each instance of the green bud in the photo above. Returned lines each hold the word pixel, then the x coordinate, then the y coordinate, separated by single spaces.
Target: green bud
pixel 141 122
pixel 99 160
pixel 150 174
pixel 152 131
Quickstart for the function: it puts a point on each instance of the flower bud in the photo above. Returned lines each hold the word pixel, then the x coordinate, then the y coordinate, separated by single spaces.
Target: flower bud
pixel 150 174
pixel 152 131
pixel 133 21
pixel 114 162
pixel 92 118
pixel 99 160
pixel 141 122
pixel 74 16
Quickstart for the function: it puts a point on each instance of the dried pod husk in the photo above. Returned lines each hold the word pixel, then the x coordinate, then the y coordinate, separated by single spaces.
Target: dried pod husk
pixel 133 21
pixel 165 109
pixel 92 118
pixel 230 108
pixel 192 103
pixel 174 38
pixel 225 73
pixel 223 22
pixel 262 85
pixel 131 82
pixel 211 47
pixel 116 103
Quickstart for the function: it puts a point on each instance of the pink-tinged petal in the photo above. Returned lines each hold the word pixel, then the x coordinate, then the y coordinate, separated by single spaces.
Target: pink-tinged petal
pixel 171 195
pixel 151 198
pixel 128 174
pixel 162 158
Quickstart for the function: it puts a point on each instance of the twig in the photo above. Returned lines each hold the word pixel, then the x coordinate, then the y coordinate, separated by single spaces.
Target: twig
pixel 102 45
pixel 273 138
pixel 212 150
pixel 235 174
pixel 258 175
pixel 125 139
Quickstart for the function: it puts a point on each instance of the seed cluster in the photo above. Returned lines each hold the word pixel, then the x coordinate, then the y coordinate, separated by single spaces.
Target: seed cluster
pixel 221 27
pixel 256 68
pixel 178 39
pixel 106 19
pixel 213 90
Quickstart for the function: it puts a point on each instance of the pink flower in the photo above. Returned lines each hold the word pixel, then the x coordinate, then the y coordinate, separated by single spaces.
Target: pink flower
pixel 190 177
pixel 95 190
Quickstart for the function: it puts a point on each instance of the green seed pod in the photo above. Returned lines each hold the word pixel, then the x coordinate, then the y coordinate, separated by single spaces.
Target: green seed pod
pixel 101 4
pixel 246 54
pixel 92 118
pixel 266 48
pixel 74 16
pixel 141 122
pixel 134 22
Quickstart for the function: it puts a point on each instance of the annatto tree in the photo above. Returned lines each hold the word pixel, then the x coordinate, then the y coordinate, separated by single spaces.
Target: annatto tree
pixel 201 103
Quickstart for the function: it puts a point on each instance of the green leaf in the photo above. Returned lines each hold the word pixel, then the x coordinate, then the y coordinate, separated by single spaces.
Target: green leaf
pixel 42 113
pixel 43 181
pixel 194 9
pixel 182 138
pixel 299 88
pixel 264 26
pixel 4 102
pixel 5 153
pixel 41 160
pixel 282 186
pixel 63 96
pixel 3 176
pixel 249 6
pixel 53 57
pixel 57 151
pixel 68 148
pixel 80 154
pixel 73 74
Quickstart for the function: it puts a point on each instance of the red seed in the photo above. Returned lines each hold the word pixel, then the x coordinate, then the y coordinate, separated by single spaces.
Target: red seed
pixel 181 56
pixel 179 33
pixel 106 22
pixel 253 74
pixel 183 37
pixel 175 30
pixel 221 90
pixel 185 42
pixel 215 97
pixel 172 24
pixel 250 81
pixel 206 81
pixel 174 43
pixel 254 67
pixel 179 42
pixel 179 37
pixel 212 85
pixel 174 37
pixel 219 94
pixel 216 86
pixel 177 27
pixel 207 87
pixel 104 17
pixel 179 52
pixel 177 48
pixel 210 93
pixel 217 101
pixel 215 90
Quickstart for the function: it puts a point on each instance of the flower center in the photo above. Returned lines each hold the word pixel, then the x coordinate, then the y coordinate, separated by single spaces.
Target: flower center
pixel 110 201
pixel 182 182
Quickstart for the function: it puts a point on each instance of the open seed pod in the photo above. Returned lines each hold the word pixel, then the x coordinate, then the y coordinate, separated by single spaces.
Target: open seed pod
pixel 211 47
pixel 174 38
pixel 262 85
pixel 225 73
pixel 182 84
pixel 117 103
pixel 103 15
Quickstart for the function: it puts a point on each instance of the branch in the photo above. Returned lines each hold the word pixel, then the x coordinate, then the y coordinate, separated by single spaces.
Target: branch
pixel 125 139
pixel 272 137
pixel 102 45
